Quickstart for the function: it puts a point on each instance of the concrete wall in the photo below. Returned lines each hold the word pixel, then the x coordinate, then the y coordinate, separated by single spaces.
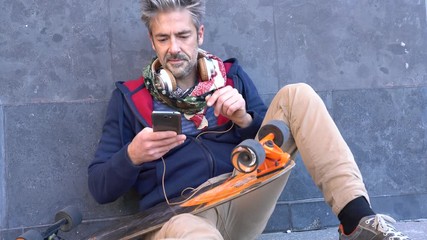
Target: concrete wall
pixel 59 61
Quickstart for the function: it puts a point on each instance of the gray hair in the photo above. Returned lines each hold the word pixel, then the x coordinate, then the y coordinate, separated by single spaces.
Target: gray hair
pixel 150 8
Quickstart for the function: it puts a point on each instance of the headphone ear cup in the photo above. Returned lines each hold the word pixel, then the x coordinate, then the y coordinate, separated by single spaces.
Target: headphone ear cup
pixel 169 82
pixel 204 71
pixel 164 80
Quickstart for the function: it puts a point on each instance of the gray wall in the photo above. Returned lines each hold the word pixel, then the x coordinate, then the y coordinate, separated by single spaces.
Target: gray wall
pixel 59 61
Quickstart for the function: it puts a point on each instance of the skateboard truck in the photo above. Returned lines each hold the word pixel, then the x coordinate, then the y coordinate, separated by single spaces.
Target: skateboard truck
pixel 65 220
pixel 264 155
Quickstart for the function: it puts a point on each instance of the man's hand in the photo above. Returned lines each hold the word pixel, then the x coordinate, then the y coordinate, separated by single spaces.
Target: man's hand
pixel 148 145
pixel 228 102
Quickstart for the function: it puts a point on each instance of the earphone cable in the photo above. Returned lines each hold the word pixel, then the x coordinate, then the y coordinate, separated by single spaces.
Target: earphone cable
pixel 194 190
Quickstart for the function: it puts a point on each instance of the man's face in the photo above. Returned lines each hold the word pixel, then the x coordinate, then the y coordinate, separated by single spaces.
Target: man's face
pixel 176 40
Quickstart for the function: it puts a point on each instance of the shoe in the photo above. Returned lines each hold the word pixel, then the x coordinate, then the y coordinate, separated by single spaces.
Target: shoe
pixel 374 227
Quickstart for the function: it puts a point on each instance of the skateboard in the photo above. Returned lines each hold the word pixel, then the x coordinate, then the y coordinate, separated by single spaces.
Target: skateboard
pixel 65 220
pixel 257 163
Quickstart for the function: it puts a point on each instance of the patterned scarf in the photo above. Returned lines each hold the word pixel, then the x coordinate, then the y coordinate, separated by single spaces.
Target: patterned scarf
pixel 192 103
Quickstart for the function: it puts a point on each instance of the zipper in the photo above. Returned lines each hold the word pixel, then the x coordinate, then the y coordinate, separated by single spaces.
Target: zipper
pixel 206 149
pixel 208 155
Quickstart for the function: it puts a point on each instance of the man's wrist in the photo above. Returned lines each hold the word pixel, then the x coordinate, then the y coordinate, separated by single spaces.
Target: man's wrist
pixel 131 155
pixel 244 121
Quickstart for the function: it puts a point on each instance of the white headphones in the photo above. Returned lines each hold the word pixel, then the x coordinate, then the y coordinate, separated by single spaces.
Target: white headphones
pixel 165 82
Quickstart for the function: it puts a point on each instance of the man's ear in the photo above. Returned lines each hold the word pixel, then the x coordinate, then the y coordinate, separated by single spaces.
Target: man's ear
pixel 200 34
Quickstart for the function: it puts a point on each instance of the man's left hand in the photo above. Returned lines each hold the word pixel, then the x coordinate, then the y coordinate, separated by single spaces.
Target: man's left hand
pixel 228 102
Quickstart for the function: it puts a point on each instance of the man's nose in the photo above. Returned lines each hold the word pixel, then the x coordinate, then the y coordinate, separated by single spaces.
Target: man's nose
pixel 174 46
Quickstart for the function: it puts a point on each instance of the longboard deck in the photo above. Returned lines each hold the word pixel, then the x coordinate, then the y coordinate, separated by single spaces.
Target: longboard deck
pixel 135 226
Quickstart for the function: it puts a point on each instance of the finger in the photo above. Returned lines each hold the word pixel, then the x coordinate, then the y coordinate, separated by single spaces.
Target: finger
pixel 161 150
pixel 218 99
pixel 161 135
pixel 160 141
pixel 211 99
pixel 156 153
pixel 225 101
pixel 163 144
pixel 233 105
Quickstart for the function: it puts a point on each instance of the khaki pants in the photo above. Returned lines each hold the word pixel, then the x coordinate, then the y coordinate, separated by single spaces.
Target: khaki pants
pixel 324 153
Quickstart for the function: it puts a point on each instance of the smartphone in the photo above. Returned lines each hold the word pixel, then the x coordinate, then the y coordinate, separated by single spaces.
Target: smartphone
pixel 166 121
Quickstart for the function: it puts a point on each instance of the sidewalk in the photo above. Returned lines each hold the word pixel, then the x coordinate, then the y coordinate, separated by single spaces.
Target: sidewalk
pixel 415 230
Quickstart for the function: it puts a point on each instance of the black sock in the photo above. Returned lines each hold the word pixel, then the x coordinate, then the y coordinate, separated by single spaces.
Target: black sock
pixel 351 214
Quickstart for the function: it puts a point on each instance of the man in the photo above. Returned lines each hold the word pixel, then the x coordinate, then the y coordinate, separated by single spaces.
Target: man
pixel 219 111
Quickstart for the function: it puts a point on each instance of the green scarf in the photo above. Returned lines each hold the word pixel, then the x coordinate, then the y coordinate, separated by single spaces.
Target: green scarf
pixel 193 105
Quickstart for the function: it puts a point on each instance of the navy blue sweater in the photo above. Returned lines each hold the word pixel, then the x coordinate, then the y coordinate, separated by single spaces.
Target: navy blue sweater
pixel 112 174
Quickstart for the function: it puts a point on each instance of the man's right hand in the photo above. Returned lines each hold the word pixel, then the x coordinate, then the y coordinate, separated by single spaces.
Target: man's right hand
pixel 148 145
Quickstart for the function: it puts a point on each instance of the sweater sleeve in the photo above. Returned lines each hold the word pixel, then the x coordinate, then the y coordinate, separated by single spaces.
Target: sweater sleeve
pixel 111 173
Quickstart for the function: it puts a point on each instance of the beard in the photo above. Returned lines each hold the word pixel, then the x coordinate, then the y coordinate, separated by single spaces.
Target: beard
pixel 182 69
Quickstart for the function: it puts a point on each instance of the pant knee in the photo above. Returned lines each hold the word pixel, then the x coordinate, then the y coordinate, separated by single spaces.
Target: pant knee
pixel 189 226
pixel 297 87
